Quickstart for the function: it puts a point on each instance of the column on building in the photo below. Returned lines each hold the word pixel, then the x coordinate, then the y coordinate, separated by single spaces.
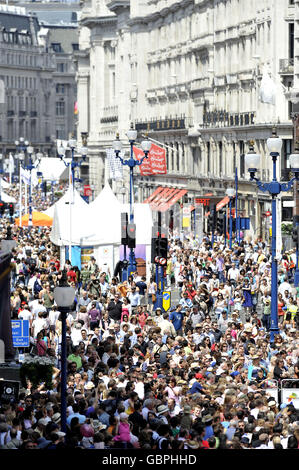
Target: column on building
pixel 83 101
pixel 97 90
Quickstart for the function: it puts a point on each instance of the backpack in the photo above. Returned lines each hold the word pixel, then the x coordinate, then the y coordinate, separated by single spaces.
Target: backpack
pixel 37 287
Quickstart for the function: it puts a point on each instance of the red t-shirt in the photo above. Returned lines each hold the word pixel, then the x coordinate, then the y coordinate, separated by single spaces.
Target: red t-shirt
pixel 72 276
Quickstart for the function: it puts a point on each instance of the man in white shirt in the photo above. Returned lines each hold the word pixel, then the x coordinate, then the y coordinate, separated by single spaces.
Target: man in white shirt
pixel 38 307
pixel 25 313
pixel 39 324
pixel 233 274
pixel 134 298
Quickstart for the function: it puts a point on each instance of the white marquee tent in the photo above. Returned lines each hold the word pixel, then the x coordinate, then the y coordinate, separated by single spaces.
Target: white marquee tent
pixel 70 222
pixel 4 184
pixel 97 226
pixel 6 198
pixel 53 169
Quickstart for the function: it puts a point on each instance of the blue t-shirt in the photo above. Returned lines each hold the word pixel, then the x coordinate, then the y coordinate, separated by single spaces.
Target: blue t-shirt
pixel 177 319
pixel 196 388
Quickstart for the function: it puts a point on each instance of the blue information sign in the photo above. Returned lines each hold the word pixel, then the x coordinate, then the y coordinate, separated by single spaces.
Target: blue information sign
pixel 20 333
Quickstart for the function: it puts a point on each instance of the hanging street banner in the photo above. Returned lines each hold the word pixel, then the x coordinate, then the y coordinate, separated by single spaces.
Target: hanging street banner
pixel 166 300
pixel 155 164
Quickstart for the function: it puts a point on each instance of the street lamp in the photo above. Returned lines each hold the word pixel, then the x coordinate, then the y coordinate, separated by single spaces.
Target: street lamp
pixel 131 163
pixel 30 168
pixel 230 192
pixel 294 163
pixel 21 145
pixel 274 187
pixel 72 145
pixel 64 296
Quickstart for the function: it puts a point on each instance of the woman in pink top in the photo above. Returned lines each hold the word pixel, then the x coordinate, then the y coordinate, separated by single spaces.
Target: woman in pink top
pixel 123 429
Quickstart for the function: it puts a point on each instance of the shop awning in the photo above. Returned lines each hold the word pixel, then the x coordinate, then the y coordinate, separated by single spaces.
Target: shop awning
pixel 222 203
pixel 164 197
pixel 153 195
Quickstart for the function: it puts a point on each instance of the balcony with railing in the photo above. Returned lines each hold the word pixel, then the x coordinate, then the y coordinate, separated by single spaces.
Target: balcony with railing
pixel 109 114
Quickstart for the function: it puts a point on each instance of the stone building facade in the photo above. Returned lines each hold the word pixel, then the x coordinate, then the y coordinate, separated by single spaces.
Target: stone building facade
pixel 26 69
pixel 189 73
pixel 38 42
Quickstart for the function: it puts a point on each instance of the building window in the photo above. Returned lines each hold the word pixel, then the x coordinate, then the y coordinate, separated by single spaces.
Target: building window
pixel 242 159
pixel 75 46
pixel 61 67
pixel 291 40
pixel 177 156
pixel 286 151
pixel 60 134
pixel 220 159
pixel 60 108
pixel 208 158
pixel 56 46
pixel 60 88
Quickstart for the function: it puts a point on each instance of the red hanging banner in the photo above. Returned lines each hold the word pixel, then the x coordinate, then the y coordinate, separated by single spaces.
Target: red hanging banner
pixel 155 164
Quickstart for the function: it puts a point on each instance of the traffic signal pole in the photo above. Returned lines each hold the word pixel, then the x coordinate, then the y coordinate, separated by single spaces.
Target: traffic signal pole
pixel 159 257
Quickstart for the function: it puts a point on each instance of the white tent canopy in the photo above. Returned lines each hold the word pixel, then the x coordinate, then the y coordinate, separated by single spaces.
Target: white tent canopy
pixel 53 168
pixel 70 223
pixel 78 202
pixel 106 210
pixel 4 184
pixel 6 198
pixel 106 220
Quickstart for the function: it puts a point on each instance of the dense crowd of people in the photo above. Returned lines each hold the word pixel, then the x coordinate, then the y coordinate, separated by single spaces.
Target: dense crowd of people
pixel 203 375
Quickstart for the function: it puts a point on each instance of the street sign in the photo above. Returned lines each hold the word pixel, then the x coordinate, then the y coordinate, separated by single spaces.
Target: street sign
pixel 9 390
pixel 20 333
pixel 166 300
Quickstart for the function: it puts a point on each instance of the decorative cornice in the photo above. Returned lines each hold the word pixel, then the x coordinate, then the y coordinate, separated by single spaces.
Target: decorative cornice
pixel 152 17
pixel 92 21
pixel 115 5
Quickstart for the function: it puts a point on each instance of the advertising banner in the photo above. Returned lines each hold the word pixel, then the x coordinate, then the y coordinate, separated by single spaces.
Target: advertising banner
pixel 155 164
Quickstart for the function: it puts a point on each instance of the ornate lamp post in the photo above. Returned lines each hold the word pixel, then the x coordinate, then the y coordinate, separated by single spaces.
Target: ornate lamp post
pixel 274 187
pixel 64 296
pixel 131 163
pixel 230 192
pixel 72 145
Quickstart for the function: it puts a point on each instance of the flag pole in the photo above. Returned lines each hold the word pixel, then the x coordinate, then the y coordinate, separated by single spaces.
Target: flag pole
pixel 20 200
pixel 160 143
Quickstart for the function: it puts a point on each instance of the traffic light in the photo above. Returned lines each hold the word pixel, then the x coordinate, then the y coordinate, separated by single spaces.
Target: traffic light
pixel 221 223
pixel 11 209
pixel 131 230
pixel 210 223
pixel 163 245
pixel 2 208
pixel 124 231
pixel 155 243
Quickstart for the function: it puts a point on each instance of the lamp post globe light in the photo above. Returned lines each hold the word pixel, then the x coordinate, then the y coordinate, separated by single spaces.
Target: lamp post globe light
pixel 274 187
pixel 131 163
pixel 64 296
pixel 72 165
pixel 24 147
pixel 230 192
